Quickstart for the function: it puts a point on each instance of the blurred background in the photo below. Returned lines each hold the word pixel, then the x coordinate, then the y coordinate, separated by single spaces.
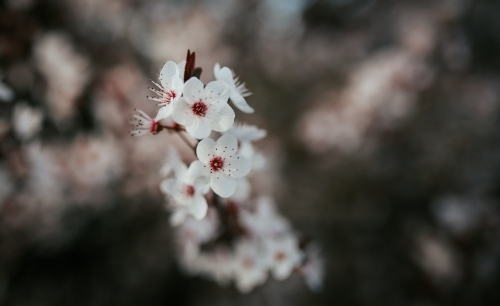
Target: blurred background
pixel 383 132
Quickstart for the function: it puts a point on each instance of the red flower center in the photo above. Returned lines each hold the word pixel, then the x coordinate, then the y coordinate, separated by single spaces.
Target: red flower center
pixel 199 109
pixel 217 163
pixel 189 190
pixel 279 256
pixel 168 96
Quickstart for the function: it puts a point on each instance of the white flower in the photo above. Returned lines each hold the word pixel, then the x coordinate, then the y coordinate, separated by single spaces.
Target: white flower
pixel 144 124
pixel 238 89
pixel 186 190
pixel 170 89
pixel 284 255
pixel 222 164
pixel 202 110
pixel 250 267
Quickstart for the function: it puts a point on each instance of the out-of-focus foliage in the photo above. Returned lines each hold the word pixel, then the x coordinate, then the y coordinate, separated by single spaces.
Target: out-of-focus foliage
pixel 383 129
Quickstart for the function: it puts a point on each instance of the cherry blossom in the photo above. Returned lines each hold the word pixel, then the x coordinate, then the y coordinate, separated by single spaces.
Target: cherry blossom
pixel 250 267
pixel 222 164
pixel 238 89
pixel 186 191
pixel 283 255
pixel 202 110
pixel 144 124
pixel 170 89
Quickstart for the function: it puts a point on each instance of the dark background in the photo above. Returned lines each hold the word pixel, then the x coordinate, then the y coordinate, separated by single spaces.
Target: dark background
pixel 384 141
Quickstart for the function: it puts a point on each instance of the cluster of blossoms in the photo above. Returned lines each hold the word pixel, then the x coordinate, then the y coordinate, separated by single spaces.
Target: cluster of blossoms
pixel 226 231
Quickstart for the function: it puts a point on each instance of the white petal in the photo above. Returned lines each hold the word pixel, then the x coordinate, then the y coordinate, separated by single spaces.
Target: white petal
pixel 222 185
pixel 193 90
pixel 168 186
pixel 205 150
pixel 196 170
pixel 182 113
pixel 223 119
pixel 199 207
pixel 164 112
pixel 167 72
pixel 240 102
pixel 181 66
pixel 217 71
pixel 224 74
pixel 200 128
pixel 177 87
pixel 180 171
pixel 243 189
pixel 178 217
pixel 237 166
pixel 282 271
pixel 216 88
pixel 226 146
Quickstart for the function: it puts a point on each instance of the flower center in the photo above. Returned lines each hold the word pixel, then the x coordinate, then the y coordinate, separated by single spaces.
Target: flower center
pixel 280 256
pixel 217 163
pixel 167 97
pixel 248 263
pixel 189 190
pixel 199 109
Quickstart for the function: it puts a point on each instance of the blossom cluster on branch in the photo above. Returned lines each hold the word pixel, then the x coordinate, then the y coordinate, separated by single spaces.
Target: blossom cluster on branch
pixel 226 231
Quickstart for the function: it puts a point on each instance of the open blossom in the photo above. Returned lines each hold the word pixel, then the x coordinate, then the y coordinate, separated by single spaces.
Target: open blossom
pixel 186 190
pixel 144 124
pixel 222 164
pixel 283 255
pixel 202 110
pixel 238 89
pixel 170 89
pixel 250 267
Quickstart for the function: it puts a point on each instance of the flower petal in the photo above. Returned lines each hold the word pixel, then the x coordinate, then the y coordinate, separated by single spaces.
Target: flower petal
pixel 168 186
pixel 167 72
pixel 224 74
pixel 182 113
pixel 178 217
pixel 200 128
pixel 223 119
pixel 227 145
pixel 240 102
pixel 222 185
pixel 196 170
pixel 164 112
pixel 177 87
pixel 205 150
pixel 199 207
pixel 216 88
pixel 181 66
pixel 237 166
pixel 180 171
pixel 193 90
